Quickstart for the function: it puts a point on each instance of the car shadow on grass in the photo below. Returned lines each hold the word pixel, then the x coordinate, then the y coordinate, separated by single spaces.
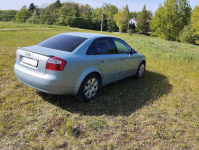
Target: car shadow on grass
pixel 120 98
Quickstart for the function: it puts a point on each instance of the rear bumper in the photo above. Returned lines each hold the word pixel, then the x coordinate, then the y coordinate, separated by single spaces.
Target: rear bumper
pixel 47 83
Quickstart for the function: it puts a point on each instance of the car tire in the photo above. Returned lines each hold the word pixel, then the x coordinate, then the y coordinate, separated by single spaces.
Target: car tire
pixel 140 71
pixel 89 88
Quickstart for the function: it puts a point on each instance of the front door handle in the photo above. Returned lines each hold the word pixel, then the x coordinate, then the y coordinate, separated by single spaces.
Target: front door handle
pixel 102 61
pixel 123 59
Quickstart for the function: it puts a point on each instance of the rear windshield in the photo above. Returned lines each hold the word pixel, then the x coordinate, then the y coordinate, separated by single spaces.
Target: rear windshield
pixel 63 42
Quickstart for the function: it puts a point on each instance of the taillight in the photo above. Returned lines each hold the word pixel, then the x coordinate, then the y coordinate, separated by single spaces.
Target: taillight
pixel 56 64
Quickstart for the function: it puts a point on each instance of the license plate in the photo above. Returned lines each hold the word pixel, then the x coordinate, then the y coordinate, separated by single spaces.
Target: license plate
pixel 29 61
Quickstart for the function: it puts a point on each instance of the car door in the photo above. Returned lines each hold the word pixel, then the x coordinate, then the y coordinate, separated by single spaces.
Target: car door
pixel 128 62
pixel 107 58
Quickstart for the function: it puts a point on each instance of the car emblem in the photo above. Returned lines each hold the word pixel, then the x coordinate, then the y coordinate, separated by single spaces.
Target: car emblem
pixel 28 54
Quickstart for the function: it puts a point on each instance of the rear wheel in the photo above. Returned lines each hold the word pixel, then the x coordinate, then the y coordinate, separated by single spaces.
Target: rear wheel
pixel 140 71
pixel 89 88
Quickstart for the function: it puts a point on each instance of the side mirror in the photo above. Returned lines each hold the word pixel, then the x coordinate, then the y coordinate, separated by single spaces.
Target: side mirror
pixel 133 51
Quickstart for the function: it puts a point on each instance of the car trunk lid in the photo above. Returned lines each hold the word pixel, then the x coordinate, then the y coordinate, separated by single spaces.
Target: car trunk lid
pixel 35 57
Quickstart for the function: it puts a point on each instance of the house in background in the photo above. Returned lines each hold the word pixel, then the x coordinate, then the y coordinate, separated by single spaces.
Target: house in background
pixel 133 21
pixel 133 24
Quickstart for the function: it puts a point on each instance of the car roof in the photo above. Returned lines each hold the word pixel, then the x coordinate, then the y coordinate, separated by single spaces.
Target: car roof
pixel 86 35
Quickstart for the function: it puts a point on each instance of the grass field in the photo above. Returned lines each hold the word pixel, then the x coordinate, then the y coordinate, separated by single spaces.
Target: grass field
pixel 160 111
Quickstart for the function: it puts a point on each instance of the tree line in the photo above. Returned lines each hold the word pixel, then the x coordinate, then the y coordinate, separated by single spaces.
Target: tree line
pixel 76 15
pixel 174 19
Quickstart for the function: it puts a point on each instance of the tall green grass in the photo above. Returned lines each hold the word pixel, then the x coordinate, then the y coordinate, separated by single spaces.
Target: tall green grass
pixel 160 111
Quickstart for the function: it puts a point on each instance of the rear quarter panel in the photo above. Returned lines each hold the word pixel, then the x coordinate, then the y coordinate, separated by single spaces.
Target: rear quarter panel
pixel 76 70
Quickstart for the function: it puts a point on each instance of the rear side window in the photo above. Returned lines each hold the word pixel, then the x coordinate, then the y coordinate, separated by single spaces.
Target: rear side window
pixel 102 46
pixel 63 42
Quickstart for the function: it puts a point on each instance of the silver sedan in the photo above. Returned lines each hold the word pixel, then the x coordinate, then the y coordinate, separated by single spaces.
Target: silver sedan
pixel 77 64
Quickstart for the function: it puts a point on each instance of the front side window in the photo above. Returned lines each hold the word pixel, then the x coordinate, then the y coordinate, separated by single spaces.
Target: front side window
pixel 121 46
pixel 63 42
pixel 102 46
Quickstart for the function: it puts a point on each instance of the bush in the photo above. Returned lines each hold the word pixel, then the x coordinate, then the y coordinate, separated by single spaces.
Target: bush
pixel 32 20
pixel 187 35
pixel 131 31
pixel 197 42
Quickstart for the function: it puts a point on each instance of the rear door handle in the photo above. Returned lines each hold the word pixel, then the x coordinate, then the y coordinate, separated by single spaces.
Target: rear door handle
pixel 123 59
pixel 102 61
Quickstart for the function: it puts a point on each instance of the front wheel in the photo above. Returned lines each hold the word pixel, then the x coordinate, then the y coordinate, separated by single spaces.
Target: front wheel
pixel 140 71
pixel 89 88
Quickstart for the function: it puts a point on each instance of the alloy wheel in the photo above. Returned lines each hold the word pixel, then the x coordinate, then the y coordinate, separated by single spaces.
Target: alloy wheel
pixel 91 88
pixel 141 70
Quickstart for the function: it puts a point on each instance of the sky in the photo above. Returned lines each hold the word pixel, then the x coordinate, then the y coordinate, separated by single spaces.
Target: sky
pixel 134 5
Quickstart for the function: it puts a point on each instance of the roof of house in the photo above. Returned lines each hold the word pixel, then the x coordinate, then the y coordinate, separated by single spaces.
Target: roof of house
pixel 134 19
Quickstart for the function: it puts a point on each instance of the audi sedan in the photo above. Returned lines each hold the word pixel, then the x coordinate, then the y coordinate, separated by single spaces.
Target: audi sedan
pixel 77 63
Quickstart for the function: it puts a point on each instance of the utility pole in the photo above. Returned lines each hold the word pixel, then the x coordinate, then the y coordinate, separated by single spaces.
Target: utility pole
pixel 102 18
pixel 102 13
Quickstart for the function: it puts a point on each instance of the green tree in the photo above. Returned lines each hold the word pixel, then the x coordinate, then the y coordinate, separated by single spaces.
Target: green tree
pixel 195 23
pixel 187 35
pixel 171 18
pixel 68 14
pixel 31 8
pixel 22 15
pixel 86 15
pixel 122 18
pixel 149 14
pixel 8 15
pixel 34 18
pixel 133 14
pixel 117 19
pixel 96 19
pixel 58 4
pixel 48 15
pixel 142 18
pixel 110 11
pixel 1 11
pixel 42 17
